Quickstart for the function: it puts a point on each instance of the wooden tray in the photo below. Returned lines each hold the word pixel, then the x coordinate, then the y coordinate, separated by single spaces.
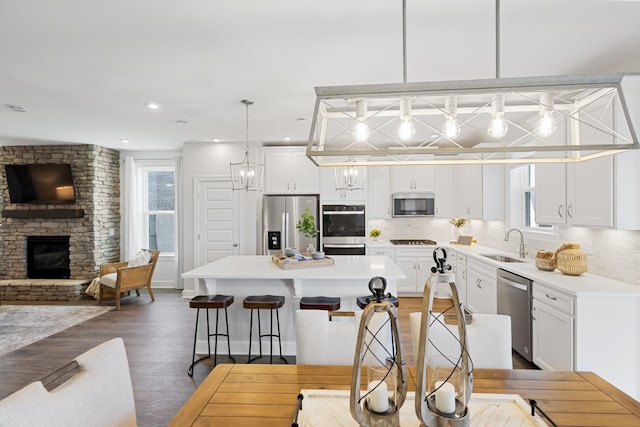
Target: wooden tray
pixel 279 260
pixel 330 408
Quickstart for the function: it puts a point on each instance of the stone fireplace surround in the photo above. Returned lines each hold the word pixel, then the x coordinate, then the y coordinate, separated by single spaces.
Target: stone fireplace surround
pixel 96 177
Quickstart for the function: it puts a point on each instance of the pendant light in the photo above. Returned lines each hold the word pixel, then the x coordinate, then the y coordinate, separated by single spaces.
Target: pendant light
pixel 546 125
pixel 361 130
pixel 406 129
pixel 498 126
pixel 451 126
pixel 247 175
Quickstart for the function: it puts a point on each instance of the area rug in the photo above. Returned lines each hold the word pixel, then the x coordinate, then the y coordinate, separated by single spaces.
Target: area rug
pixel 22 325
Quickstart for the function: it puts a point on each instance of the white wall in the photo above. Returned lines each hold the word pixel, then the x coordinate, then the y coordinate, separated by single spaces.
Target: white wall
pixel 212 159
pixel 616 253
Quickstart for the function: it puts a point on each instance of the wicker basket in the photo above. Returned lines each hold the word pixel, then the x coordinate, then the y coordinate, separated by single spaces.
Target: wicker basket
pixel 571 260
pixel 545 260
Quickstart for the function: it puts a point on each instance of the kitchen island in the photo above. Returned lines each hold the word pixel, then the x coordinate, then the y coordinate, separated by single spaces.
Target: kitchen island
pixel 242 276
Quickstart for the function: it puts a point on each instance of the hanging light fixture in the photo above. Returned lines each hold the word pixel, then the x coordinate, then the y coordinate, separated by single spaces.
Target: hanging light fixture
pixel 247 175
pixel 349 177
pixel 594 115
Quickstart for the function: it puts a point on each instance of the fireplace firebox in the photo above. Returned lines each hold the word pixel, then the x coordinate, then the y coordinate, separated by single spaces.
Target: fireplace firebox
pixel 48 257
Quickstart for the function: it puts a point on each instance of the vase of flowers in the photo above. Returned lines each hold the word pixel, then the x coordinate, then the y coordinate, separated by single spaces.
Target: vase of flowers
pixel 374 234
pixel 458 225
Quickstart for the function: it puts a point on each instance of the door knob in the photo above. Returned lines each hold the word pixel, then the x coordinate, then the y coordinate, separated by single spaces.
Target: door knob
pixel 235 245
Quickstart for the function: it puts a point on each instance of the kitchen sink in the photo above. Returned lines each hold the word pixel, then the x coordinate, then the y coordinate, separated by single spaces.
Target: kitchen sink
pixel 501 258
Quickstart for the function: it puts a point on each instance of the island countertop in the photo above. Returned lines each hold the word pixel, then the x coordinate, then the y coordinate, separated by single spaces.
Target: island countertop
pixel 262 266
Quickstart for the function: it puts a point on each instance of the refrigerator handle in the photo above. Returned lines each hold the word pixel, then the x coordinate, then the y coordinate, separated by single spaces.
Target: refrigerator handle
pixel 265 243
pixel 285 230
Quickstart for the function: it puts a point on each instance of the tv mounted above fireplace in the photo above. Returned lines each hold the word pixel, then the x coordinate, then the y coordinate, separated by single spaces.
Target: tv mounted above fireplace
pixel 40 183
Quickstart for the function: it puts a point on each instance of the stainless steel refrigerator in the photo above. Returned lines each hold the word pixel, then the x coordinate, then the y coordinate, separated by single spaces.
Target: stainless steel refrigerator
pixel 279 217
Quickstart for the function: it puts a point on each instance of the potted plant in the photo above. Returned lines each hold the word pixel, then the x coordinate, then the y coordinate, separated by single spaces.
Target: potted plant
pixel 307 226
pixel 458 224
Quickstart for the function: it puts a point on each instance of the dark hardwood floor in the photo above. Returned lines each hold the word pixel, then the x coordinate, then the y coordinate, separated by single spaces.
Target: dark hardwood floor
pixel 158 337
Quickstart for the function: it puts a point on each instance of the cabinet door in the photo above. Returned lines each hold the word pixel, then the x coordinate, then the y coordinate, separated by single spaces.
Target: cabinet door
pixel 277 172
pixel 402 178
pixel 445 193
pixel 408 266
pixel 468 190
pixel 461 276
pixel 424 178
pixel 552 338
pixel 474 291
pixel 551 193
pixel 378 192
pixel 423 271
pixel 590 193
pixel 304 175
pixel 482 293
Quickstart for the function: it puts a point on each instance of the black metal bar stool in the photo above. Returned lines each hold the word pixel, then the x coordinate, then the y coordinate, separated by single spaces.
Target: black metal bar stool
pixel 320 303
pixel 264 302
pixel 210 302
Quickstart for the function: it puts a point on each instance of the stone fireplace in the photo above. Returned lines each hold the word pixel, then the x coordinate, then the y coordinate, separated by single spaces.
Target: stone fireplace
pixel 91 223
pixel 48 257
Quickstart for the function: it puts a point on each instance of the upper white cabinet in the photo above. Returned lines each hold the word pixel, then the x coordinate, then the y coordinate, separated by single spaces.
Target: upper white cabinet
pixel 470 191
pixel 378 192
pixel 289 171
pixel 575 194
pixel 412 178
pixel 328 191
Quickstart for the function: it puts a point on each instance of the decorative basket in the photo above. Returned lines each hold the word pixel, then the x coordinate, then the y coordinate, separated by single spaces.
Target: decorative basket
pixel 571 260
pixel 545 260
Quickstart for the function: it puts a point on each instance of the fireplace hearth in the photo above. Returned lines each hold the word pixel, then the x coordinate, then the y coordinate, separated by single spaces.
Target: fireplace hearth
pixel 48 257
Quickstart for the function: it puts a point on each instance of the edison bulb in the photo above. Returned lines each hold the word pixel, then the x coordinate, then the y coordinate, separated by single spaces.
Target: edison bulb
pixel 406 129
pixel 451 128
pixel 498 126
pixel 546 125
pixel 361 131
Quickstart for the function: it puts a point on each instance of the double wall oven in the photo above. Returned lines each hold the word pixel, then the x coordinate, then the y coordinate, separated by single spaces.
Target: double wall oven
pixel 343 230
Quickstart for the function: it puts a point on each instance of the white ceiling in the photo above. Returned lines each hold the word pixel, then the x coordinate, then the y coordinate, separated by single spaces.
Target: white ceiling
pixel 84 70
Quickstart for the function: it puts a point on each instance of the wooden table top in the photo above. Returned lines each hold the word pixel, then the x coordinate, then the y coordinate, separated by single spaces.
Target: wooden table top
pixel 266 395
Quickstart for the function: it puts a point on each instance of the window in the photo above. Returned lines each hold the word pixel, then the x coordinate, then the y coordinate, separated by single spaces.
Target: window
pixel 159 212
pixel 523 199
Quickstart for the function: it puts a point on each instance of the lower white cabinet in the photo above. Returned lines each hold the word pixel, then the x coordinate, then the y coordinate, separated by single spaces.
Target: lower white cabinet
pixel 461 275
pixel 552 328
pixel 482 287
pixel 416 264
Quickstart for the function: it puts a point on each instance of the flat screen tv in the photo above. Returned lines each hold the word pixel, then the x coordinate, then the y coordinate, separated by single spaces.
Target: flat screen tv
pixel 40 183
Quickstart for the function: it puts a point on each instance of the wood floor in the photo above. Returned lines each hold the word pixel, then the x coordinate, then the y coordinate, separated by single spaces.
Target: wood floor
pixel 159 338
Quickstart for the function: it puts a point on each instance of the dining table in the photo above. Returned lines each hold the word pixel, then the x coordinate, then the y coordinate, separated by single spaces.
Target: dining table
pixel 267 395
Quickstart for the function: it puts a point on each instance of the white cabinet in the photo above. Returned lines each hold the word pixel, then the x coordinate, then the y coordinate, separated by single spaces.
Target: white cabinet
pixel 289 171
pixel 461 275
pixel 575 194
pixel 552 328
pixel 412 178
pixel 482 287
pixel 378 192
pixel 328 191
pixel 416 264
pixel 468 189
pixel 445 192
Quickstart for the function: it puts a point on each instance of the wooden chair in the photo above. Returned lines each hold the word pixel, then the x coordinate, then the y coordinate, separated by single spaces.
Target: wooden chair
pixel 118 277
pixel 93 390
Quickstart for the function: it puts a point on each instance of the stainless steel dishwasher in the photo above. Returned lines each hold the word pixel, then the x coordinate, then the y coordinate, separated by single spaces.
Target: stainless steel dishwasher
pixel 514 299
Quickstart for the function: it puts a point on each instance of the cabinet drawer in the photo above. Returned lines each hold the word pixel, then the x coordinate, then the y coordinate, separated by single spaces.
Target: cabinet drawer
pixel 553 298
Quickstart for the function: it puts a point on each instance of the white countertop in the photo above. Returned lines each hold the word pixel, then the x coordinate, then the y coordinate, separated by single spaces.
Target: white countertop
pixel 585 285
pixel 346 267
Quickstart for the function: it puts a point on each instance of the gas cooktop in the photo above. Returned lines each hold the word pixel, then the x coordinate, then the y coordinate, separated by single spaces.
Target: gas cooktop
pixel 413 242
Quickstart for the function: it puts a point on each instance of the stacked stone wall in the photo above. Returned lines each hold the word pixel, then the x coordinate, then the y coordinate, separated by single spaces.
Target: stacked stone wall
pixel 96 179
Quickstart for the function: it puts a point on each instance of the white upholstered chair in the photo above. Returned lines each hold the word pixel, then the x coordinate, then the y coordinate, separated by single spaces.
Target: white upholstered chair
pixel 99 394
pixel 320 341
pixel 488 336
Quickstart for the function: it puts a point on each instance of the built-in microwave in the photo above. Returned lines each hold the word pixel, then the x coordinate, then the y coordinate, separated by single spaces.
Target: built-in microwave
pixel 413 204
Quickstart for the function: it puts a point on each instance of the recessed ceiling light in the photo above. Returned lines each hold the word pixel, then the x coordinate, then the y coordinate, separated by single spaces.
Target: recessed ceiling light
pixel 286 138
pixel 181 122
pixel 17 108
pixel 153 105
pixel 215 139
pixel 124 141
pixel 300 119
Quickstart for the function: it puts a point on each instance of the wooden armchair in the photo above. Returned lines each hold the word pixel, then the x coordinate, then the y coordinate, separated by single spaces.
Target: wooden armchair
pixel 118 277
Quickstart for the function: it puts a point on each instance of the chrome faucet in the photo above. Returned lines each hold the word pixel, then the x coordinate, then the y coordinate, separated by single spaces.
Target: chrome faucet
pixel 522 253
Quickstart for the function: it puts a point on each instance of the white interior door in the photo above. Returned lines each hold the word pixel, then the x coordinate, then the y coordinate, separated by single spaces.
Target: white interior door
pixel 218 216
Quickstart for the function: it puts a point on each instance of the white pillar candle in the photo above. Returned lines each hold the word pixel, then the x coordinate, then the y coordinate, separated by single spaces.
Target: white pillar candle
pixel 445 397
pixel 378 397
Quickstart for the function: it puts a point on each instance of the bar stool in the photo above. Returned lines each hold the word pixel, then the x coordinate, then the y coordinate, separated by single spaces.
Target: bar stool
pixel 210 302
pixel 264 302
pixel 320 303
pixel 365 300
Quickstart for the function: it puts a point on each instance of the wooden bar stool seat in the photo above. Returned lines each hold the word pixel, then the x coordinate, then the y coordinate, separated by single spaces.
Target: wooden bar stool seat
pixel 320 303
pixel 264 302
pixel 365 300
pixel 208 302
